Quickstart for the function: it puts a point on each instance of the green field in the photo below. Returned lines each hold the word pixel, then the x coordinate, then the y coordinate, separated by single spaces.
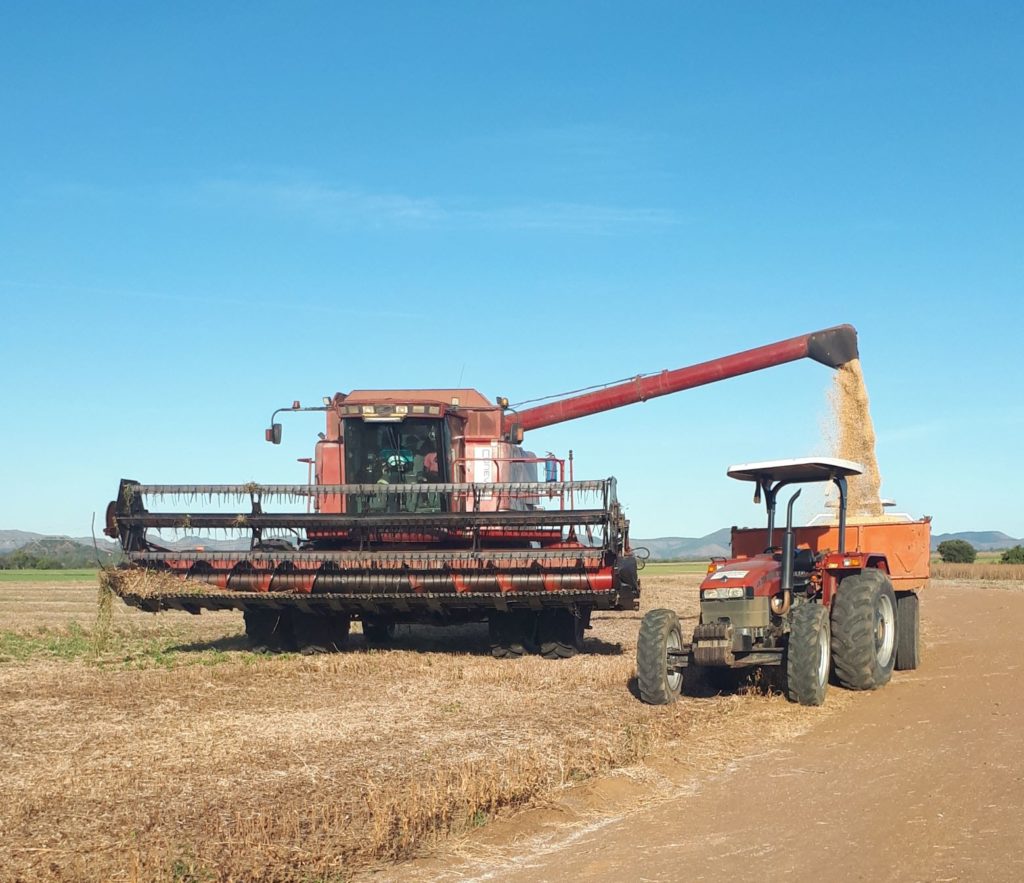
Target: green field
pixel 39 576
pixel 667 568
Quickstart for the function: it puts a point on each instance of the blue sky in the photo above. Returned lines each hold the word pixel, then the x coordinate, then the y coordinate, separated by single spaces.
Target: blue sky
pixel 209 210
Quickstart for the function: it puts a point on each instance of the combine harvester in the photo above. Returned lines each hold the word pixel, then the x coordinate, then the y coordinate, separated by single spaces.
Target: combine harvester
pixel 423 508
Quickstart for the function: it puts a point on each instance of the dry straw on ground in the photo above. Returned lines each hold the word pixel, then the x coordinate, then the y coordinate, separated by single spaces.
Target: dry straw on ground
pixel 1006 572
pixel 200 758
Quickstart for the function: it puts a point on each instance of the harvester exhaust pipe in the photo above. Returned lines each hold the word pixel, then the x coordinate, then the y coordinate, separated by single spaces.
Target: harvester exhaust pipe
pixel 781 603
pixel 833 347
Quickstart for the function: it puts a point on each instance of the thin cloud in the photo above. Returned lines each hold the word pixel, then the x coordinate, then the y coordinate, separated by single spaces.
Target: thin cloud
pixel 345 207
pixel 114 293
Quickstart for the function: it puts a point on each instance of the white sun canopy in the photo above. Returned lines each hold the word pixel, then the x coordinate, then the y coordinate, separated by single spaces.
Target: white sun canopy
pixel 800 469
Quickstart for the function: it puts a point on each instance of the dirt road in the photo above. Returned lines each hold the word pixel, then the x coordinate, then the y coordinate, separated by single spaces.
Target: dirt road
pixel 923 780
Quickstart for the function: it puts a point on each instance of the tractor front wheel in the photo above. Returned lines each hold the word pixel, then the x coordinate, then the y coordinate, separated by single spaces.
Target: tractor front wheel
pixel 808 655
pixel 864 630
pixel 908 626
pixel 660 632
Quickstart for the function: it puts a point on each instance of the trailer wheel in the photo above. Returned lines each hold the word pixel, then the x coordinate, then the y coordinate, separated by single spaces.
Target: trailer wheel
pixel 659 632
pixel 864 630
pixel 908 627
pixel 378 631
pixel 560 633
pixel 808 655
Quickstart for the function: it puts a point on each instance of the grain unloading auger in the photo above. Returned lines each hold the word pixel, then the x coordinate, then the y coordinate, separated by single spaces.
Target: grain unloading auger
pixel 423 507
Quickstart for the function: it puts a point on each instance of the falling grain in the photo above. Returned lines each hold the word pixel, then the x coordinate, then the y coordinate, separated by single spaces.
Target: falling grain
pixel 855 438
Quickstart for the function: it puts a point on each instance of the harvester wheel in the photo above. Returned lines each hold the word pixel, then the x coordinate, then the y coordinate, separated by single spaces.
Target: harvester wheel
pixel 508 633
pixel 318 633
pixel 864 630
pixel 659 632
pixel 808 655
pixel 378 631
pixel 560 633
pixel 908 626
pixel 269 630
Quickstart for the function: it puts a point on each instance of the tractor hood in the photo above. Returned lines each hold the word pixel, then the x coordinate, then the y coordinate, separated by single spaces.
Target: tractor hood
pixel 757 576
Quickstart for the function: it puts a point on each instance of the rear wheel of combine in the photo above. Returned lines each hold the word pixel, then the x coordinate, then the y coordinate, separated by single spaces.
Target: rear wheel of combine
pixel 659 632
pixel 378 631
pixel 560 633
pixel 864 630
pixel 808 655
pixel 908 627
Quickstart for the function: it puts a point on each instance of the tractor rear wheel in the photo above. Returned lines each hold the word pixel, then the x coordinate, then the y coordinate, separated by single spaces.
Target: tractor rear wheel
pixel 864 630
pixel 560 633
pixel 660 632
pixel 808 655
pixel 908 626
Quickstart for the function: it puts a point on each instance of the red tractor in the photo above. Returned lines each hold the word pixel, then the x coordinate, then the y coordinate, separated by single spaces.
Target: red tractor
pixel 811 606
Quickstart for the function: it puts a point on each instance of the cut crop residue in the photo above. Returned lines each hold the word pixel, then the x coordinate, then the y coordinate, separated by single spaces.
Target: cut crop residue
pixel 855 438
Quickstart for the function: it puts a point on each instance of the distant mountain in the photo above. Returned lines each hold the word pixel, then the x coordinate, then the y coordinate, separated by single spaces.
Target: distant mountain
pixel 59 553
pixel 674 548
pixel 19 539
pixel 982 540
pixel 181 544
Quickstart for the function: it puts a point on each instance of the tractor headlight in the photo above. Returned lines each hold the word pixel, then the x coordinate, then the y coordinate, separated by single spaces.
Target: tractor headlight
pixel 724 593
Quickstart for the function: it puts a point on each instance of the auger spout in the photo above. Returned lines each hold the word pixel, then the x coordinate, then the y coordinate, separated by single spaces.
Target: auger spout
pixel 833 347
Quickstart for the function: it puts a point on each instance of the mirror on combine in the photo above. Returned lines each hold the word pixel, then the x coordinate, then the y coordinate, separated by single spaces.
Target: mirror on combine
pixel 273 435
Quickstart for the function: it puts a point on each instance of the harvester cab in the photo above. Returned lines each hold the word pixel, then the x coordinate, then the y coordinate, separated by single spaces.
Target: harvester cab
pixel 805 606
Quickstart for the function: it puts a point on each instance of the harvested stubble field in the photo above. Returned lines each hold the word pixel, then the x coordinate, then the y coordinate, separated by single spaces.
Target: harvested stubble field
pixel 160 748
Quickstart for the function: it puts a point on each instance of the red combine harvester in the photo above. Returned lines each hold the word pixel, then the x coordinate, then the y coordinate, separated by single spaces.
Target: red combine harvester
pixel 814 606
pixel 424 508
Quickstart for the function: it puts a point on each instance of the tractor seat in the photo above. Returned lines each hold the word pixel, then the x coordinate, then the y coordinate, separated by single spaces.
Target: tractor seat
pixel 804 560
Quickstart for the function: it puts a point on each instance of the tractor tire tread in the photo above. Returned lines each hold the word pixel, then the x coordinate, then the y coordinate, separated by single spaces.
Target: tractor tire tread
pixel 651 657
pixel 803 660
pixel 908 631
pixel 853 631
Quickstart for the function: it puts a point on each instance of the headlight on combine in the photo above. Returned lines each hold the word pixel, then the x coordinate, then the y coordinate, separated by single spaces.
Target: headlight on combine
pixel 724 593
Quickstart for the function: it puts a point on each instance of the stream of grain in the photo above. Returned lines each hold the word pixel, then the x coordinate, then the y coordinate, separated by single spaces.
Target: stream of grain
pixel 855 438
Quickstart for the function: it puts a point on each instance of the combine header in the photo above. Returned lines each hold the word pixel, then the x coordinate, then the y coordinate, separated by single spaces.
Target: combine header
pixel 423 506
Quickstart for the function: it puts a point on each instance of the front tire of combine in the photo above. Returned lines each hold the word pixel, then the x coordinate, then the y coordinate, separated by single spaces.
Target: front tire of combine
pixel 660 632
pixel 378 631
pixel 269 631
pixel 808 655
pixel 560 633
pixel 908 627
pixel 507 631
pixel 316 633
pixel 864 630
